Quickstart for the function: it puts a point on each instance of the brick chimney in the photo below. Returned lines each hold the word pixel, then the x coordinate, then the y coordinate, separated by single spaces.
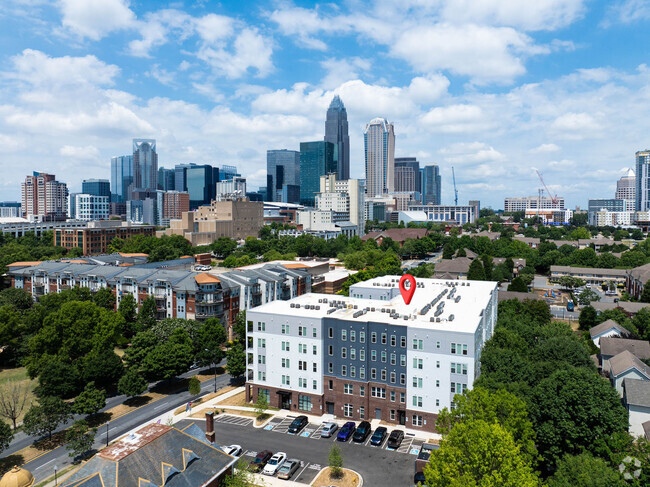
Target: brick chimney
pixel 209 427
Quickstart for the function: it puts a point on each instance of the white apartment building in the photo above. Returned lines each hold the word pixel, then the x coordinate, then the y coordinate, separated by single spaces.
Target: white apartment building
pixel 532 203
pixel 88 207
pixel 370 355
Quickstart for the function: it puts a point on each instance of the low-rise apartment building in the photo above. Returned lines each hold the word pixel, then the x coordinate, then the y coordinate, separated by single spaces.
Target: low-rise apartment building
pixel 591 275
pixel 371 355
pixel 97 236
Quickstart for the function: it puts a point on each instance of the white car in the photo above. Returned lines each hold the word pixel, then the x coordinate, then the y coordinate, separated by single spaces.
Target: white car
pixel 275 463
pixel 233 450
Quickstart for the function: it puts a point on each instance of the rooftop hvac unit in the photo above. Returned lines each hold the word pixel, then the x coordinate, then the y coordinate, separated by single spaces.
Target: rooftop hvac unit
pixel 317 307
pixel 372 309
pixel 451 317
pixel 331 310
pixel 437 320
pixel 292 305
pixel 297 305
pixel 432 319
pixel 457 299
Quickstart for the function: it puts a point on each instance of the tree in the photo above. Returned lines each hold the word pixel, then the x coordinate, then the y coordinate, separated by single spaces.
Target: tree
pixel 479 454
pixel 194 386
pixel 587 296
pixel 240 477
pixel 132 383
pixel 261 405
pixel 335 462
pixel 239 328
pixel 58 378
pixel 587 319
pixel 573 410
pixel 461 252
pixel 104 367
pixel 13 399
pixel 170 358
pixel 570 282
pixel 105 298
pixel 147 313
pixel 645 294
pixel 208 342
pixel 476 271
pixel 6 435
pixel 236 360
pixel 45 417
pixel 90 401
pixel 20 299
pixel 128 309
pixel 80 438
pixel 518 285
pixel 584 470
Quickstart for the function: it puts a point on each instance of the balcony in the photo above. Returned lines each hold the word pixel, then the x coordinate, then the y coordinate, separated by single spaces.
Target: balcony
pixel 39 281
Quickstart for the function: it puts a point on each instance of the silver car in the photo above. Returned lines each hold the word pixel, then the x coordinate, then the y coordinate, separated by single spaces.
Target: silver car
pixel 328 430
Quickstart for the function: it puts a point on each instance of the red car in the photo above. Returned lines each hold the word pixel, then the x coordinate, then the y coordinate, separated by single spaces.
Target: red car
pixel 260 461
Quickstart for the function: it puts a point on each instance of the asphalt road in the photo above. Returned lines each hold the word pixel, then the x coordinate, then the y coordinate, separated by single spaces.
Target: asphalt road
pixel 44 466
pixel 379 467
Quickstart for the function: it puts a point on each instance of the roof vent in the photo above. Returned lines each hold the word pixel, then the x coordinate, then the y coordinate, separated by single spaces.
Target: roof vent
pixel 451 317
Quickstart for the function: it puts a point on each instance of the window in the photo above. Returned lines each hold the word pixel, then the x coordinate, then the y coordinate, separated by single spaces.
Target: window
pixel 373 373
pixel 362 412
pixel 314 349
pixel 402 360
pixel 362 354
pixel 286 380
pixel 302 365
pixel 402 342
pixel 393 359
pixel 286 363
pixel 314 384
pixel 402 397
pixel 459 348
pixel 362 337
pixel 260 326
pixel 392 415
pixel 392 396
pixel 344 352
pixel 373 337
pixel 353 371
pixel 437 344
pixel 437 383
pixel 344 335
pixel 362 391
pixel 437 402
pixel 402 379
pixel 362 372
pixel 285 329
pixel 302 331
pixel 330 368
pixel 458 388
pixel 344 370
pixel 331 333
pixel 379 392
pixel 417 363
pixel 331 350
pixel 313 333
pixel 417 401
pixel 417 382
pixel 314 367
pixel 392 377
pixel 261 359
pixel 261 342
pixel 383 374
pixel 304 403
pixel 302 382
pixel 417 344
pixel 393 341
pixel 383 356
pixel 285 347
pixel 261 376
pixel 464 349
pixel 353 354
pixel 383 338
pixel 331 384
pixel 353 335
pixel 250 325
pixel 302 348
pixel 264 393
pixel 458 368
pixel 437 364
pixel 348 389
pixel 417 420
pixel 373 355
pixel 347 410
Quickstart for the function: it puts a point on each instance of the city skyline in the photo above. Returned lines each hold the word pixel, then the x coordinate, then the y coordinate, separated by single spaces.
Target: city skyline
pixel 222 84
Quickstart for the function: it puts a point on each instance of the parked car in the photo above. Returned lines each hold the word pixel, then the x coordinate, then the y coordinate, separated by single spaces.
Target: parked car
pixel 378 436
pixel 290 467
pixel 419 479
pixel 297 424
pixel 362 432
pixel 346 431
pixel 275 463
pixel 328 430
pixel 395 438
pixel 234 450
pixel 260 461
pixel 570 306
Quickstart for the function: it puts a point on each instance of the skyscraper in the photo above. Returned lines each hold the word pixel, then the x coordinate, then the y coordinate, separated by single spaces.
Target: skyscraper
pixel 44 197
pixel 180 176
pixel 283 175
pixel 379 142
pixel 316 160
pixel 166 179
pixel 145 164
pixel 96 187
pixel 121 178
pixel 431 185
pixel 407 174
pixel 227 172
pixel 643 180
pixel 201 183
pixel 626 188
pixel 336 132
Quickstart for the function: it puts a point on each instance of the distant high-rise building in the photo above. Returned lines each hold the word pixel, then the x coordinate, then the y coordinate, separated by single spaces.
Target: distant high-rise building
pixel 407 174
pixel 283 176
pixel 166 179
pixel 145 164
pixel 524 203
pixel 232 188
pixel 379 142
pixel 642 196
pixel 88 207
pixel 316 160
pixel 201 184
pixel 336 132
pixel 180 176
pixel 431 182
pixel 121 178
pixel 626 188
pixel 10 209
pixel 227 172
pixel 171 205
pixel 96 187
pixel 43 197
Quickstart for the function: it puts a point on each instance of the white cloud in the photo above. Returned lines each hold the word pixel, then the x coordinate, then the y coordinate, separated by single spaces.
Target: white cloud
pixel 342 70
pixel 470 153
pixel 627 12
pixel 96 19
pixel 87 152
pixel 457 119
pixel 576 125
pixel 213 27
pixel 545 149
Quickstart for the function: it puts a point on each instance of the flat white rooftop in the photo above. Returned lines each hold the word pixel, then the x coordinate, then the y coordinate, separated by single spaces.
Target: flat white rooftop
pixel 436 305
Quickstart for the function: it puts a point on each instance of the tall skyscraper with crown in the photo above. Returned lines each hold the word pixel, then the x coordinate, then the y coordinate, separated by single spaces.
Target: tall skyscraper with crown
pixel 336 132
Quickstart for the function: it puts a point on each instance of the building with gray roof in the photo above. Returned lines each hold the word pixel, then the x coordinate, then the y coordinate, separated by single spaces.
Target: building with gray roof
pixel 636 398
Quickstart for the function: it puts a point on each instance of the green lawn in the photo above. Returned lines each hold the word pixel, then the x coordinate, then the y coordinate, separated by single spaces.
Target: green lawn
pixel 19 375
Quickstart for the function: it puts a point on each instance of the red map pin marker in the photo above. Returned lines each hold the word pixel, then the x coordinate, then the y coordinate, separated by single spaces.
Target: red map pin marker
pixel 407 294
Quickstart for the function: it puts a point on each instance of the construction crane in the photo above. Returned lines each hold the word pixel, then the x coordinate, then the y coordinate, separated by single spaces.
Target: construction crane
pixel 453 174
pixel 553 197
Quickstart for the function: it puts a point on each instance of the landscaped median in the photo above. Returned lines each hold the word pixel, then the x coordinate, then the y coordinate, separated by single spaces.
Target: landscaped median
pixel 234 404
pixel 349 478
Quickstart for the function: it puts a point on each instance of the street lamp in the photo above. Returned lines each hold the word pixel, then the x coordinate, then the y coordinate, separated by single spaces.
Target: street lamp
pixel 106 433
pixel 214 365
pixel 56 480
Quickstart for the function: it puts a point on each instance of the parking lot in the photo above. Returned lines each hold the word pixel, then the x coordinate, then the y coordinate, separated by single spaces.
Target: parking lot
pixel 312 449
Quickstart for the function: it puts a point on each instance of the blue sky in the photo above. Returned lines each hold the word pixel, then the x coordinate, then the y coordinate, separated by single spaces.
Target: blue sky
pixel 496 88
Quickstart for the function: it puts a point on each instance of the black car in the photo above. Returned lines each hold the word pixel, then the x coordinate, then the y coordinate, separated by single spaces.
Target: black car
pixel 395 439
pixel 260 461
pixel 362 432
pixel 418 479
pixel 297 424
pixel 378 436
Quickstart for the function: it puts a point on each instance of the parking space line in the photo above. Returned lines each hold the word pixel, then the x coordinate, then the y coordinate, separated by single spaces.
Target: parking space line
pixel 367 443
pixel 303 468
pixel 316 435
